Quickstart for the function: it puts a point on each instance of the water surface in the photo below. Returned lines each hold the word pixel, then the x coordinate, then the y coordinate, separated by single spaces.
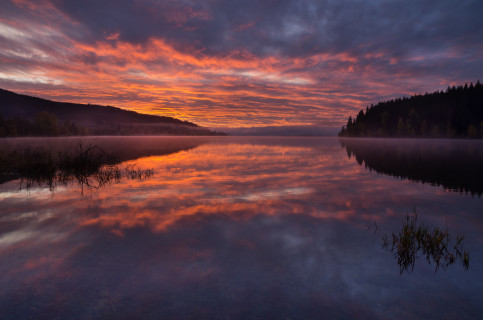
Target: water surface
pixel 241 228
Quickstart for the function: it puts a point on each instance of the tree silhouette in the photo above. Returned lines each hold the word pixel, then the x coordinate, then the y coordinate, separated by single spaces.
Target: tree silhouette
pixel 47 124
pixel 455 113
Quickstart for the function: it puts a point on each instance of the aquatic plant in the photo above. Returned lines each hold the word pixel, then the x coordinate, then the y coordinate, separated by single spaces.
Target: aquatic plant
pixel 88 166
pixel 417 239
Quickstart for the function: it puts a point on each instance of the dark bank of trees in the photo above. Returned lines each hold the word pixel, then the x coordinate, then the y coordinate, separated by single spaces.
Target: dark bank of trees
pixel 454 113
pixel 44 124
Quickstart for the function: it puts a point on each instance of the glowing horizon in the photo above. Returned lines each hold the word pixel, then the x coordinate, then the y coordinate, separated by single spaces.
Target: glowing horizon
pixel 232 64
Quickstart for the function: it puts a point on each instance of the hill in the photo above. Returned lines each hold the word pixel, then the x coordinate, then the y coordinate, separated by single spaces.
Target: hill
pixel 25 112
pixel 454 113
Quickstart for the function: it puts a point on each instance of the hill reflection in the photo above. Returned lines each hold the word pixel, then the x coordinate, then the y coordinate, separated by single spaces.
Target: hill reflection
pixel 89 163
pixel 454 165
pixel 237 228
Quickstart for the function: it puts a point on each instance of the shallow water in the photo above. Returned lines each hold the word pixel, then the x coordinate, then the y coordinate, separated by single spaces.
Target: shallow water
pixel 242 228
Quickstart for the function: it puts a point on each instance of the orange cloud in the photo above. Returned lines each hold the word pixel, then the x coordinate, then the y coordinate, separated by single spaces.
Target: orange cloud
pixel 231 88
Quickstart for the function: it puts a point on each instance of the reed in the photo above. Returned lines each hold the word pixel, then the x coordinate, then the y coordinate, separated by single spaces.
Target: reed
pixel 417 239
pixel 88 166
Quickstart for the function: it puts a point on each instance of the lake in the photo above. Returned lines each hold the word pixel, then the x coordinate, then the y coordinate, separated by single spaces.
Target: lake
pixel 236 228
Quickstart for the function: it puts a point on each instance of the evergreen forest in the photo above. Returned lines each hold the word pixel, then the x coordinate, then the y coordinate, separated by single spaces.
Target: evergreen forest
pixel 454 113
pixel 44 124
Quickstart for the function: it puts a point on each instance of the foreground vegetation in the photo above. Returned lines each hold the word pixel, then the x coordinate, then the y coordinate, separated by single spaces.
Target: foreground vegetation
pixel 417 239
pixel 87 166
pixel 455 113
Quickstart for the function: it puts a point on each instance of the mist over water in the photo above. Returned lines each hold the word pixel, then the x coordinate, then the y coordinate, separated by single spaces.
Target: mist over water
pixel 242 228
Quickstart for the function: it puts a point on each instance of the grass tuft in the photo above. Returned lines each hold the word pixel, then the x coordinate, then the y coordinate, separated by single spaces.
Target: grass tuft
pixel 417 239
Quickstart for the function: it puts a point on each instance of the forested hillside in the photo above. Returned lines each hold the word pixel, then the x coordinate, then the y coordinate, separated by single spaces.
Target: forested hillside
pixel 22 115
pixel 454 113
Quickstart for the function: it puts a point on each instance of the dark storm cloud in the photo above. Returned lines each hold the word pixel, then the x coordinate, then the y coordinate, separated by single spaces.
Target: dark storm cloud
pixel 286 27
pixel 412 38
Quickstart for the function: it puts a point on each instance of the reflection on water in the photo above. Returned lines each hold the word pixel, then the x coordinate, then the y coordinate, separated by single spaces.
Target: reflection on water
pixel 90 167
pixel 231 228
pixel 453 164
pixel 40 158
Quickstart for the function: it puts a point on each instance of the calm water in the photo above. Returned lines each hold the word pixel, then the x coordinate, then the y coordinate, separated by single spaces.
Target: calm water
pixel 242 228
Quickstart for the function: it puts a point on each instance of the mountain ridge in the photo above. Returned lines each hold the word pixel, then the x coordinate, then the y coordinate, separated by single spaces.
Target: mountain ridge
pixel 28 104
pixel 19 109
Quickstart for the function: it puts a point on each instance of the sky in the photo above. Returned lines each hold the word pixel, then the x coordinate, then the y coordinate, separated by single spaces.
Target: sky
pixel 239 63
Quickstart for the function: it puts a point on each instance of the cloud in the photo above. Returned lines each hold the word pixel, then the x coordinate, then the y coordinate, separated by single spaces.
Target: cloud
pixel 239 63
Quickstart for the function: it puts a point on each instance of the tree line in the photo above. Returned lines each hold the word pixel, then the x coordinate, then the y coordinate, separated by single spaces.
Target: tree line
pixel 454 113
pixel 43 124
pixel 48 125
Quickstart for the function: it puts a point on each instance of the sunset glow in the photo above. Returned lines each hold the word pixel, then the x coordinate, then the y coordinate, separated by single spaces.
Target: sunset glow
pixel 238 63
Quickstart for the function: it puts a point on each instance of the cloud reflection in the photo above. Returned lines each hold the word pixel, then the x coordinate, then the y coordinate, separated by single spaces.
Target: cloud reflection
pixel 237 228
